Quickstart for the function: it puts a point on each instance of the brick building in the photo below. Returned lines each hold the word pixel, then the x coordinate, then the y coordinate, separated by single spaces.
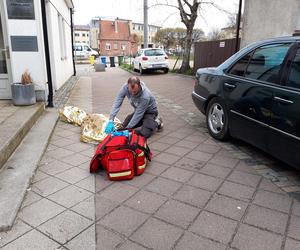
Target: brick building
pixel 115 38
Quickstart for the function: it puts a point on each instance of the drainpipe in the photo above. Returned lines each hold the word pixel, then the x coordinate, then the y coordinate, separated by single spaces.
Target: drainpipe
pixel 47 53
pixel 238 27
pixel 72 39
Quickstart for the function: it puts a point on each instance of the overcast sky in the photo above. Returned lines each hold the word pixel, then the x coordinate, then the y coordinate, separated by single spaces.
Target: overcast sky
pixel 157 15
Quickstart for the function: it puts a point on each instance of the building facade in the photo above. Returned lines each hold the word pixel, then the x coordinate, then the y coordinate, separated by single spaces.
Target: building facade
pixel 138 29
pixel 82 34
pixel 35 36
pixel 94 33
pixel 269 18
pixel 115 38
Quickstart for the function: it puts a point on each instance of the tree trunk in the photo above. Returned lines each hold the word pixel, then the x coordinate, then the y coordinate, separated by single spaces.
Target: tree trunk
pixel 185 66
pixel 188 18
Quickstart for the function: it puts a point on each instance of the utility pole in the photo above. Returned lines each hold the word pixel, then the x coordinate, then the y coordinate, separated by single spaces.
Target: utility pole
pixel 145 24
pixel 238 27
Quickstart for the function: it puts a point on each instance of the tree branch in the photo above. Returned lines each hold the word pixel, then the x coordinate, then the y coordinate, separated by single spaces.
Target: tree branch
pixel 163 4
pixel 187 3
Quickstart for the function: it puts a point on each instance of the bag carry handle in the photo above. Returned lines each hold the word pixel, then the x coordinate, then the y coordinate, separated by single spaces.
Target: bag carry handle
pixel 146 150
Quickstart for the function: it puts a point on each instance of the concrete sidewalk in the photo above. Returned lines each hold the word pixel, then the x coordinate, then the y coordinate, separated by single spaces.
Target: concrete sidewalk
pixel 196 193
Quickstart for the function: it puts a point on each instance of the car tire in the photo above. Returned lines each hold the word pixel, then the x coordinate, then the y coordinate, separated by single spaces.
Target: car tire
pixel 217 119
pixel 141 70
pixel 166 71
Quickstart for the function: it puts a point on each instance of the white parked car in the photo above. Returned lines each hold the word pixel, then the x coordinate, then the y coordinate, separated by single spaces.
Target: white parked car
pixel 151 59
pixel 83 51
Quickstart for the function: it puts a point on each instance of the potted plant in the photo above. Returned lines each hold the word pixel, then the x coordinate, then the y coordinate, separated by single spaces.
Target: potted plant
pixel 23 93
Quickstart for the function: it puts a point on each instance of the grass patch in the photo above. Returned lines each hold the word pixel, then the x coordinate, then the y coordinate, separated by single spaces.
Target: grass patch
pixel 126 66
pixel 189 72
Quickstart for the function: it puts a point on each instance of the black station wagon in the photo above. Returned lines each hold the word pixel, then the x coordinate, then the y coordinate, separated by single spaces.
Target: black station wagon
pixel 255 96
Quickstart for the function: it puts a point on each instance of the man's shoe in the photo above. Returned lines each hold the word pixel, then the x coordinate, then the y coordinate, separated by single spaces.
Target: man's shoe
pixel 160 124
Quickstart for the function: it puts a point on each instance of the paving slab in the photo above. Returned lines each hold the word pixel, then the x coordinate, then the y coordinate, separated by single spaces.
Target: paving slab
pixel 214 226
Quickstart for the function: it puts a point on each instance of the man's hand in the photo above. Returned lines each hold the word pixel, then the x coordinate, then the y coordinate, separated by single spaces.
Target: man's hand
pixel 121 133
pixel 109 127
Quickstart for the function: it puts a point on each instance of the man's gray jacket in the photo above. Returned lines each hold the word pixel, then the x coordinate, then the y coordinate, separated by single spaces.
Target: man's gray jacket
pixel 143 102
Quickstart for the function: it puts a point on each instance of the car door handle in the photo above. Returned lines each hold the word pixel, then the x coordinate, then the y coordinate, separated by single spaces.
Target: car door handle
pixel 228 85
pixel 278 99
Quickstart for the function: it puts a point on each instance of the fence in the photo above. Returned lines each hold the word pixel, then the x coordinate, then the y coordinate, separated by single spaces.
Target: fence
pixel 213 53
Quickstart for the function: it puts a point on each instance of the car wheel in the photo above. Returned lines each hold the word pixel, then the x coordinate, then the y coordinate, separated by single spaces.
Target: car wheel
pixel 141 70
pixel 217 119
pixel 166 71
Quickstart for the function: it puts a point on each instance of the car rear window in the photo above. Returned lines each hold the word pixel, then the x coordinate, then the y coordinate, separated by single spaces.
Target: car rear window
pixel 154 52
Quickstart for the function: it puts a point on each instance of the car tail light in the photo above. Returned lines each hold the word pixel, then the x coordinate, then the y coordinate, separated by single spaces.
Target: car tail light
pixel 144 58
pixel 166 57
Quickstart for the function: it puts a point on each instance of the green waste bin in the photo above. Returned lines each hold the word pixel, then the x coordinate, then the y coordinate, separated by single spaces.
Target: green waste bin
pixel 120 60
pixel 112 61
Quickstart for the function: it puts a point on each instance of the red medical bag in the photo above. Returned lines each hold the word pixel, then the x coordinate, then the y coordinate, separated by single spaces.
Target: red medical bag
pixel 122 157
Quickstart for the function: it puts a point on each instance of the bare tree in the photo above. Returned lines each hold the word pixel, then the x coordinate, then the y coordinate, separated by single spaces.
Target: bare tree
pixel 166 37
pixel 188 10
pixel 215 34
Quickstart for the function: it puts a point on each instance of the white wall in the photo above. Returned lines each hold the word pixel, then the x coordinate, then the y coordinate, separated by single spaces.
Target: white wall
pixel 268 19
pixel 61 68
pixel 81 38
pixel 33 61
pixel 94 36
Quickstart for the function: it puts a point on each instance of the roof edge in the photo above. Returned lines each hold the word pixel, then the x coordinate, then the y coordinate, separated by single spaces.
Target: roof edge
pixel 69 4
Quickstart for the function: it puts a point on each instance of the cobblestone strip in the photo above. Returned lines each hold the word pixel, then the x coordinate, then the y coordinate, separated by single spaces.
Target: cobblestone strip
pixel 62 95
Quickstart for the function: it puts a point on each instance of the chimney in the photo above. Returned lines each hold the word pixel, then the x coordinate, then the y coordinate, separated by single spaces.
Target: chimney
pixel 116 25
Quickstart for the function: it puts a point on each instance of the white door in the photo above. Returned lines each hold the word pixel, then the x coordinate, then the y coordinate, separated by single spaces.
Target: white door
pixel 5 92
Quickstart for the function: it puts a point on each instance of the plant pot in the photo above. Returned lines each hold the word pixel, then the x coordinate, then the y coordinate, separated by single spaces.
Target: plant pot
pixel 23 95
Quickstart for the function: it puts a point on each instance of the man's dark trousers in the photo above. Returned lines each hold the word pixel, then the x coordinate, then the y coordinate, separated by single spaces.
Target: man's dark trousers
pixel 147 123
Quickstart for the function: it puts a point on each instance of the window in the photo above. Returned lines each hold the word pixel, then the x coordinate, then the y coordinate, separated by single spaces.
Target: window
pixel 123 46
pixel 62 38
pixel 154 52
pixel 78 47
pixel 294 74
pixel 266 62
pixel 115 45
pixel 87 48
pixel 87 35
pixel 107 46
pixel 76 34
pixel 239 68
pixel 83 34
